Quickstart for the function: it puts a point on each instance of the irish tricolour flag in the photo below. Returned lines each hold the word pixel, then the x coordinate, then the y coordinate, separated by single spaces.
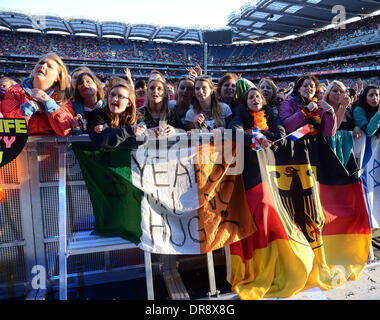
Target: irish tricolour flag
pixel 169 200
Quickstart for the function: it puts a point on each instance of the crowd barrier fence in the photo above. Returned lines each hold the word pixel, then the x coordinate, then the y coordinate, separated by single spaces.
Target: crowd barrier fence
pixel 45 225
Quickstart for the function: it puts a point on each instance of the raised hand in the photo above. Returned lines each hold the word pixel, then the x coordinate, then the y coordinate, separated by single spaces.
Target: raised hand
pixel 312 106
pixel 77 121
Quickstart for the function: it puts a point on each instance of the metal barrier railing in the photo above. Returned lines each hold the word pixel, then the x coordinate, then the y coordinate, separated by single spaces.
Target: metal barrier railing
pixel 46 204
pixel 45 172
pixel 29 222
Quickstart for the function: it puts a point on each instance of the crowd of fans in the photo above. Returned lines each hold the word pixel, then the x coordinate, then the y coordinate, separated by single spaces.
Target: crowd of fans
pixel 124 112
pixel 50 89
pixel 322 68
pixel 300 46
pixel 12 43
pixel 84 95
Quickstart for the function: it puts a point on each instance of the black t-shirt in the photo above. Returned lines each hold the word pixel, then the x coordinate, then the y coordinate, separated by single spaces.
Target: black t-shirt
pixel 172 118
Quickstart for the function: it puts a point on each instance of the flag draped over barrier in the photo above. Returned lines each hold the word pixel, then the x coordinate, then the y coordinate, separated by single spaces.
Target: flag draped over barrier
pixel 312 220
pixel 371 178
pixel 181 202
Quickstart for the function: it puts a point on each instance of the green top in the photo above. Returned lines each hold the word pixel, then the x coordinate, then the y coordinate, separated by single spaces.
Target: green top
pixel 361 121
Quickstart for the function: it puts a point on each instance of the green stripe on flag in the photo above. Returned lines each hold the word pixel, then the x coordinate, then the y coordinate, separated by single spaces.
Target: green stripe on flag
pixel 116 201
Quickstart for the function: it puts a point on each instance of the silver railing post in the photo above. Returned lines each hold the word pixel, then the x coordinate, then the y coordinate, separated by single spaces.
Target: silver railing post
pixel 211 275
pixel 62 223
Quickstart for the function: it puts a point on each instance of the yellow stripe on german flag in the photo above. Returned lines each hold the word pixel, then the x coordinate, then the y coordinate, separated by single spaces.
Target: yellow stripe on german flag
pixel 312 222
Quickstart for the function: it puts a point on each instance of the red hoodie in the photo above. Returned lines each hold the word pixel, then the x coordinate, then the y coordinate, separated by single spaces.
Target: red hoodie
pixel 56 123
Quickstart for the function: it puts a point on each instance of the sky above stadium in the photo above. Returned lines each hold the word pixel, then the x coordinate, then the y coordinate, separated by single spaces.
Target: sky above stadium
pixel 176 13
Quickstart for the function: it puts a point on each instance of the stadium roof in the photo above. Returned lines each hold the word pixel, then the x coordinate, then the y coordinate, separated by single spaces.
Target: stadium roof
pixel 265 19
pixel 16 21
pixel 257 20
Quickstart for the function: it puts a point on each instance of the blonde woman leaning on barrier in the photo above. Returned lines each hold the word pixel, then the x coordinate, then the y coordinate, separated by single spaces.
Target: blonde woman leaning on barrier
pixel 42 98
pixel 337 96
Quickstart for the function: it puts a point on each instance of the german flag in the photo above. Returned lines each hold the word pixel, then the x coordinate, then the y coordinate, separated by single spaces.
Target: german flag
pixel 312 220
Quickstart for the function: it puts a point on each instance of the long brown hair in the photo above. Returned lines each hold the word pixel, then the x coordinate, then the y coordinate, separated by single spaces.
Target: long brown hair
pixel 61 86
pixel 222 80
pixel 99 89
pixel 244 101
pixel 128 117
pixel 299 82
pixel 216 111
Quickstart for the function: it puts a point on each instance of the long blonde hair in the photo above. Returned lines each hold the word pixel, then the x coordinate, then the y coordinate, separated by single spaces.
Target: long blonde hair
pixel 332 85
pixel 61 86
pixel 216 110
pixel 165 101
pixel 272 85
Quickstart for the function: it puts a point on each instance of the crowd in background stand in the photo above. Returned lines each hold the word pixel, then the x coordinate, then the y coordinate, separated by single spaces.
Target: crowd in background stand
pixel 211 105
pixel 54 102
pixel 22 43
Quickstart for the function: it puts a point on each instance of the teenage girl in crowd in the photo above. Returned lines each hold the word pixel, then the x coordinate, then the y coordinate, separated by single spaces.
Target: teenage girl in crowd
pixel 74 76
pixel 156 108
pixel 302 108
pixel 336 95
pixel 117 123
pixel 140 91
pixel 367 111
pixel 226 90
pixel 321 91
pixel 42 99
pixel 183 97
pixel 255 113
pixel 269 91
pixel 88 96
pixel 207 112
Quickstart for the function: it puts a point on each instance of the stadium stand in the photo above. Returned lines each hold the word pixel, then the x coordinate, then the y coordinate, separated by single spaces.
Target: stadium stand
pixel 350 52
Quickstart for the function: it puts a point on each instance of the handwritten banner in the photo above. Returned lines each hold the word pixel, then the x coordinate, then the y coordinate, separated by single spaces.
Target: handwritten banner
pixel 168 201
pixel 190 205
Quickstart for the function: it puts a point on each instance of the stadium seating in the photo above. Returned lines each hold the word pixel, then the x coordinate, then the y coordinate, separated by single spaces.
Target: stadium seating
pixel 275 60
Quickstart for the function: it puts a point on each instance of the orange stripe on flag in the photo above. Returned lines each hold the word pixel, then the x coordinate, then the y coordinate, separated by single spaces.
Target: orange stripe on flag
pixel 224 216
